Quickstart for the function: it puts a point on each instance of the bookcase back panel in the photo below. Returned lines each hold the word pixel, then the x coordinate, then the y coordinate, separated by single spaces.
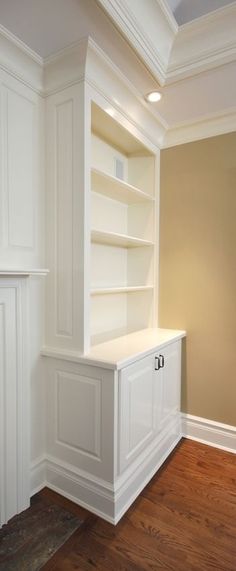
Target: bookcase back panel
pixel 140 266
pixel 105 157
pixel 108 266
pixel 141 173
pixel 109 317
pixel 108 215
pixel 141 220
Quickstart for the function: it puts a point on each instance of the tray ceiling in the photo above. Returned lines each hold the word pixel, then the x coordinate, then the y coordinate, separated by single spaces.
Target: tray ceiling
pixel 187 10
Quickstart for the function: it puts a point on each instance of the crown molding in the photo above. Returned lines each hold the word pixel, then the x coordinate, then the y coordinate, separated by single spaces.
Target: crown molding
pixel 86 61
pixel 20 61
pixel 105 77
pixel 203 44
pixel 167 12
pixel 134 25
pixel 208 126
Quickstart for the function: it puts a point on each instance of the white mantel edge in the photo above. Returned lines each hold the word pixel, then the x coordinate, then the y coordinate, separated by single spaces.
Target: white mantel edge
pixel 22 272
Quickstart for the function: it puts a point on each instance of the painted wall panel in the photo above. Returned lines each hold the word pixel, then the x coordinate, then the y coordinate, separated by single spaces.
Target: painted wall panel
pixel 79 412
pixel 20 170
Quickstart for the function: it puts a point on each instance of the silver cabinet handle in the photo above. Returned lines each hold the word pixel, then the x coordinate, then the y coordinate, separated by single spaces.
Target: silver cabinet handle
pixel 157 364
pixel 162 361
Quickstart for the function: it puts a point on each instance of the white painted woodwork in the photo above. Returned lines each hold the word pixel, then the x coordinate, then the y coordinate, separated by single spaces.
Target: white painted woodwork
pixel 123 289
pixel 21 158
pixel 137 409
pixel 149 400
pixel 170 377
pixel 117 239
pixel 122 351
pixel 67 210
pixel 14 399
pixel 80 420
pixel 116 189
pixel 210 432
pixel 109 431
pixel 101 237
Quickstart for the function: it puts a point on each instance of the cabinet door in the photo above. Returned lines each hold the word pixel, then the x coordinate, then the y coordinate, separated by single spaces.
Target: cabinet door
pixel 168 379
pixel 137 409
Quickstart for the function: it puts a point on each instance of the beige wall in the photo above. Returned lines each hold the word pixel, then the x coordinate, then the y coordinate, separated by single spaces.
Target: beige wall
pixel 198 269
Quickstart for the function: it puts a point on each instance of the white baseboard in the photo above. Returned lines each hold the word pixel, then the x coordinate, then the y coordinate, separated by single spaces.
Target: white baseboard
pixel 111 502
pixel 38 475
pixel 100 497
pixel 209 432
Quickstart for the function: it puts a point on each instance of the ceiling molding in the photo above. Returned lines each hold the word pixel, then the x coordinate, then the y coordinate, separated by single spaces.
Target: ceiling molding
pixel 133 26
pixel 208 126
pixel 211 17
pixel 168 15
pixel 203 44
pixel 20 61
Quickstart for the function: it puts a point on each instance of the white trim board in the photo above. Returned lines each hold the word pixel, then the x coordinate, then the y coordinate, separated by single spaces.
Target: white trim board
pixel 216 434
pixel 212 125
pixel 98 496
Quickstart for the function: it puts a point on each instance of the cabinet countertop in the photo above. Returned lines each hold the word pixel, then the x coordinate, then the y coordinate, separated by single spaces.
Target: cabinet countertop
pixel 122 351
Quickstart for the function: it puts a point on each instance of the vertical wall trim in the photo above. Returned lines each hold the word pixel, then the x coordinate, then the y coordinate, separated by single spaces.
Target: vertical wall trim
pixel 15 395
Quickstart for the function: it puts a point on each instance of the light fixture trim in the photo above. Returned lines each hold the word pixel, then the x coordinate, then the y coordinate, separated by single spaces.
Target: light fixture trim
pixel 153 96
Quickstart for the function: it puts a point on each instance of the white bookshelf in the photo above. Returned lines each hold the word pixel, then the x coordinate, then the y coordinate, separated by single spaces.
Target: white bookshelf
pixel 122 289
pixel 117 189
pixel 123 246
pixel 119 240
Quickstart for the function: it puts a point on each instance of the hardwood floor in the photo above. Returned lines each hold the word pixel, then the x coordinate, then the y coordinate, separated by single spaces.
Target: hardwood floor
pixel 184 520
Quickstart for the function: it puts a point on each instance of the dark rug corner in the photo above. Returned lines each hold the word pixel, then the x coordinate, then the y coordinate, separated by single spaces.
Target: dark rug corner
pixel 30 539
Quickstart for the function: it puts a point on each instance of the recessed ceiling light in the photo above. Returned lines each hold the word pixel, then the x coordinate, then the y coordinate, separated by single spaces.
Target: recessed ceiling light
pixel 154 96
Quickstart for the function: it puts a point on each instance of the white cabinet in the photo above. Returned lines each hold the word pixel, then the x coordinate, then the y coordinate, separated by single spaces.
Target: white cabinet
pixel 137 406
pixel 112 423
pixel 149 400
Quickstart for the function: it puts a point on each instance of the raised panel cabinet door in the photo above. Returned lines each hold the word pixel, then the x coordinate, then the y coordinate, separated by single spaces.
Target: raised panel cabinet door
pixel 137 409
pixel 169 379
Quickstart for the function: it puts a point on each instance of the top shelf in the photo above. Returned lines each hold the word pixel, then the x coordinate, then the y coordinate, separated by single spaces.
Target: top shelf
pixel 105 125
pixel 117 189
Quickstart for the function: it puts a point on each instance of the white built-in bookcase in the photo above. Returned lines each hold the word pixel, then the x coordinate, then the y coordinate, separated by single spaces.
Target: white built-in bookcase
pixel 123 244
pixel 102 220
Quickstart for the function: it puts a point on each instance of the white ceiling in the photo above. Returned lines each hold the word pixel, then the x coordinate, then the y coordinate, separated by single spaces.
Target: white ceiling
pixel 188 10
pixel 47 26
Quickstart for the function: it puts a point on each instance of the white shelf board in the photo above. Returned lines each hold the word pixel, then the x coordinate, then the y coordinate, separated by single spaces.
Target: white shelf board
pixel 114 239
pixel 121 289
pixel 117 189
pixel 105 126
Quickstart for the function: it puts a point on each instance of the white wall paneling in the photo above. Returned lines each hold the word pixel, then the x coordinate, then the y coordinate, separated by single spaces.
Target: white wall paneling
pixel 14 401
pixel 81 418
pixel 22 174
pixel 67 308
